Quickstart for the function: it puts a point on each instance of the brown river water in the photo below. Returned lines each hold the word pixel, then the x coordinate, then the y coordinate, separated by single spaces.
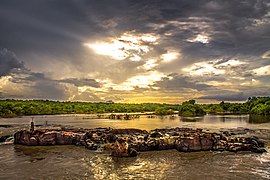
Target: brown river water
pixel 71 162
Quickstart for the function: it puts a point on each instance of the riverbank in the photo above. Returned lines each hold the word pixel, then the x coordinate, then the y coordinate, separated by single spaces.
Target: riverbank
pixel 13 108
pixel 129 142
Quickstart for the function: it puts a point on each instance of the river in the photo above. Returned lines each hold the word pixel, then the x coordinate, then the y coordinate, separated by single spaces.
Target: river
pixel 71 162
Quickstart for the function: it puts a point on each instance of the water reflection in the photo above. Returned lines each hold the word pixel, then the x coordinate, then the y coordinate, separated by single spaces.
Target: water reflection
pixel 191 119
pixel 257 119
pixel 81 121
pixel 71 162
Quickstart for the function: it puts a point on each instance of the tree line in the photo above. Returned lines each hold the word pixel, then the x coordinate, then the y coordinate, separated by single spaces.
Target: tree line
pixel 254 106
pixel 11 108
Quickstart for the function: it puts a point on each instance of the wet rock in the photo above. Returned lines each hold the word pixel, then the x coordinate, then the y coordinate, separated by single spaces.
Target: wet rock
pixel 91 145
pixel 156 135
pixel 141 146
pixel 64 138
pixel 255 141
pixel 48 138
pixel 33 141
pixel 4 138
pixel 5 126
pixel 207 142
pixel 122 149
pixel 188 144
pixel 22 137
pixel 258 150
pixel 128 142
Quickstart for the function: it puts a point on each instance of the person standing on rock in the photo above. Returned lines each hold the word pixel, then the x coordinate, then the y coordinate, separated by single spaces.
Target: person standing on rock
pixel 32 126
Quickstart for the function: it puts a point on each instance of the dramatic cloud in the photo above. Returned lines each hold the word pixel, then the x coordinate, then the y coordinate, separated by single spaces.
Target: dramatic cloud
pixel 8 62
pixel 81 82
pixel 178 82
pixel 239 96
pixel 135 51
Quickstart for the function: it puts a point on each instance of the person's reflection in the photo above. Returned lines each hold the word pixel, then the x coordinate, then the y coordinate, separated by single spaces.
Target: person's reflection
pixel 190 119
pixel 223 119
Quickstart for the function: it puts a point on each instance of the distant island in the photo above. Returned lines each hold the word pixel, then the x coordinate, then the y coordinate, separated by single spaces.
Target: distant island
pixel 13 108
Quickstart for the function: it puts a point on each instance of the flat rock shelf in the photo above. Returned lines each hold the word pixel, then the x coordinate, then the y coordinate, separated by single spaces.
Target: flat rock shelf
pixel 129 142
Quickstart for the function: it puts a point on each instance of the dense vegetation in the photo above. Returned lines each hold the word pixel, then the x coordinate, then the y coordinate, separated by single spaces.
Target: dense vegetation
pixel 254 105
pixel 164 111
pixel 189 108
pixel 10 108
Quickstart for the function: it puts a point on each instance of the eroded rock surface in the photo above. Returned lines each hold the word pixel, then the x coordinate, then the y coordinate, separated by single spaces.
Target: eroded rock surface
pixel 128 142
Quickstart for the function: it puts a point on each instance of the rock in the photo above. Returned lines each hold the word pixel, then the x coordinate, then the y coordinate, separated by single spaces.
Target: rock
pixel 132 152
pixel 188 144
pixel 220 145
pixel 166 143
pixel 127 142
pixel 4 138
pixel 64 138
pixel 22 137
pixel 207 142
pixel 91 145
pixel 156 135
pixel 122 149
pixel 142 146
pixel 255 141
pixel 258 150
pixel 111 138
pixel 48 138
pixel 33 141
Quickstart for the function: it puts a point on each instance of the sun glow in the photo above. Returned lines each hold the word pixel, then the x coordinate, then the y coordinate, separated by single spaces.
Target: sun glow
pixel 262 71
pixel 200 38
pixel 4 80
pixel 151 63
pixel 113 50
pixel 127 46
pixel 170 56
pixel 140 81
pixel 203 68
pixel 214 67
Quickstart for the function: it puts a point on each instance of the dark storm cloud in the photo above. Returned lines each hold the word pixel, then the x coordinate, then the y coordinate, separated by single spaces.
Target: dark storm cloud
pixel 178 81
pixel 36 84
pixel 230 25
pixel 37 23
pixel 58 28
pixel 227 97
pixel 243 95
pixel 81 82
pixel 8 62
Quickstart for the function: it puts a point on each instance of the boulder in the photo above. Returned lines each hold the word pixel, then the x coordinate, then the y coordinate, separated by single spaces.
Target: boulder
pixel 22 137
pixel 33 141
pixel 207 142
pixel 122 149
pixel 4 138
pixel 91 145
pixel 48 138
pixel 64 138
pixel 188 144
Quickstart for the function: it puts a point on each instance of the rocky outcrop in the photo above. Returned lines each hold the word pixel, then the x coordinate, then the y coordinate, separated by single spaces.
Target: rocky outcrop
pixel 45 138
pixel 129 142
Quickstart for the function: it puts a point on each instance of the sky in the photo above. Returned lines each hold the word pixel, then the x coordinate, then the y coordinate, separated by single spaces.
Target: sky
pixel 135 51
